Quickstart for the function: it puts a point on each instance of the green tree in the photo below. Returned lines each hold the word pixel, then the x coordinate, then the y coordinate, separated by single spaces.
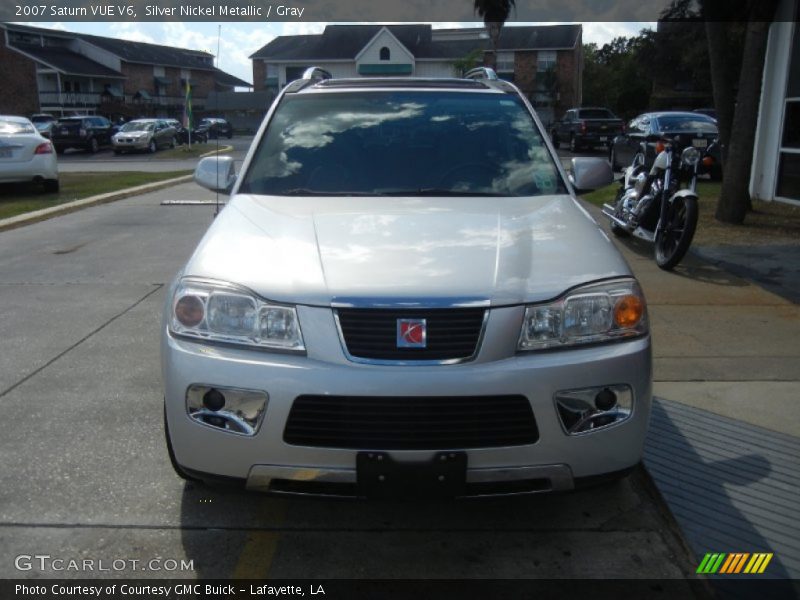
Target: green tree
pixel 471 60
pixel 736 35
pixel 494 14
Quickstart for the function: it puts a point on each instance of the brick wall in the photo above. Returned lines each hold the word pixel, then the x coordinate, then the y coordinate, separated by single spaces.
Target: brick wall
pixel 525 71
pixel 259 75
pixel 567 81
pixel 175 88
pixel 18 74
pixel 202 83
pixel 139 77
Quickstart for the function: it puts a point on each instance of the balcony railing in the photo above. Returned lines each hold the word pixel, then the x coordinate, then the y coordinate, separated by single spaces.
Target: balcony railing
pixel 94 100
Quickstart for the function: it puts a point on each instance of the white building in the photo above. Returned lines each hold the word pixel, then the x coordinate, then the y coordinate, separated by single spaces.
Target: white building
pixel 775 173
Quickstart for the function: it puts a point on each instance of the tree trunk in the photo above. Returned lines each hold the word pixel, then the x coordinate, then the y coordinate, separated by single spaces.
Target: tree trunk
pixel 734 200
pixel 721 81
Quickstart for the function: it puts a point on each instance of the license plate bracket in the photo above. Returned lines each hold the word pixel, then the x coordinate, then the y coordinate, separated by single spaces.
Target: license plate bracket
pixel 380 476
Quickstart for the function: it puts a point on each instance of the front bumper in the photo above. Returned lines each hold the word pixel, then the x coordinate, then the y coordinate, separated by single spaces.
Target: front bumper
pixel 130 143
pixel 266 459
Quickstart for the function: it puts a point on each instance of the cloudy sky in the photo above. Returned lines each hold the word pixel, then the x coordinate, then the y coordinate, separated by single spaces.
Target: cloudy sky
pixel 239 40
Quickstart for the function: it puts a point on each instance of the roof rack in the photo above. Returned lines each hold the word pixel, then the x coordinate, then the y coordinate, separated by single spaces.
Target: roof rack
pixel 481 73
pixel 316 74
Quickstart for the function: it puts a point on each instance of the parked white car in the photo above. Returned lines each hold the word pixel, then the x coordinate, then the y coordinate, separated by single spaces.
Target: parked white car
pixel 25 155
pixel 404 294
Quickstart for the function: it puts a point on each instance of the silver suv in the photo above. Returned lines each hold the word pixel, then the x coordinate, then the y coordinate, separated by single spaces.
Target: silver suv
pixel 404 294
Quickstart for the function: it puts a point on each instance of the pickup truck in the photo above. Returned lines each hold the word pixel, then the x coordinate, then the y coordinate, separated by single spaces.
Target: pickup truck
pixel 586 128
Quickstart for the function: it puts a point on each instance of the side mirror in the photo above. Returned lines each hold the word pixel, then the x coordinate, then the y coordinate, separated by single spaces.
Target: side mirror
pixel 216 173
pixel 590 174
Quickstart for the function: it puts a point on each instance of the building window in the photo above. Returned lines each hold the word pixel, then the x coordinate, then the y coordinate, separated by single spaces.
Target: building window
pixel 545 60
pixel 386 54
pixel 505 62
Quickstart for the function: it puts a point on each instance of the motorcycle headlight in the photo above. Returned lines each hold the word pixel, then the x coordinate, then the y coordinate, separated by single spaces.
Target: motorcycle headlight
pixel 590 314
pixel 223 312
pixel 690 155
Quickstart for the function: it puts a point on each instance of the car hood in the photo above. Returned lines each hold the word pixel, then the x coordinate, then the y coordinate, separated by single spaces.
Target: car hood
pixel 389 250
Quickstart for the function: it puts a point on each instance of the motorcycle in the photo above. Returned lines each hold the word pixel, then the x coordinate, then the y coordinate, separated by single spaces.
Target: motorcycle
pixel 661 206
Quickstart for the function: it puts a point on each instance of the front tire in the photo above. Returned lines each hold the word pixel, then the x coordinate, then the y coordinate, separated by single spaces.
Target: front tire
pixel 673 240
pixel 93 146
pixel 152 147
pixel 173 143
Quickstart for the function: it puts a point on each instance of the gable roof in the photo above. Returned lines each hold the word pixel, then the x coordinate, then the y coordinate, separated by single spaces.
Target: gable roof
pixel 66 61
pixel 156 54
pixel 128 51
pixel 345 42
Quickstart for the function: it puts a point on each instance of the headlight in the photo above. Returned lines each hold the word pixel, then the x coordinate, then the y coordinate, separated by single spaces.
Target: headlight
pixel 690 155
pixel 222 312
pixel 593 313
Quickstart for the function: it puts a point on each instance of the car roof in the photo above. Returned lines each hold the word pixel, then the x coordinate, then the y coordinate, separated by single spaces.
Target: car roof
pixel 15 119
pixel 676 113
pixel 409 83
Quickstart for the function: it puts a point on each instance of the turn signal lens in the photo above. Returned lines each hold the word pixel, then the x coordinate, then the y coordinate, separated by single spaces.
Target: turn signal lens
pixel 189 310
pixel 708 161
pixel 628 311
pixel 45 148
pixel 660 147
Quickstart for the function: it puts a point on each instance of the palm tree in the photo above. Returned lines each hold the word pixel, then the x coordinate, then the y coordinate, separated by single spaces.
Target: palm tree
pixel 494 13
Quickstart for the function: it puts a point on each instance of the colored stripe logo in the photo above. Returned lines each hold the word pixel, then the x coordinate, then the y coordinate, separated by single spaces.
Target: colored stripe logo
pixel 734 562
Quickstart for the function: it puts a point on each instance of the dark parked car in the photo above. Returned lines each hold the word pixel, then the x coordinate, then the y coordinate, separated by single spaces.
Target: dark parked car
pixel 43 123
pixel 199 136
pixel 709 112
pixel 85 132
pixel 216 128
pixel 701 128
pixel 586 128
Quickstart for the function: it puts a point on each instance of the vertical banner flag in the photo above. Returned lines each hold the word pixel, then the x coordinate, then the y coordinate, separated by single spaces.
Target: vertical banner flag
pixel 187 110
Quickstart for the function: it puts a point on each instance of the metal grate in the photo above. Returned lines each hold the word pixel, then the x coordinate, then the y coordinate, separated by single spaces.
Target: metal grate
pixel 452 334
pixel 410 423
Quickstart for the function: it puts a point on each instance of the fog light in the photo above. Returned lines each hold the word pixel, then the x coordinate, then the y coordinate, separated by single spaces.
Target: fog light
pixel 605 399
pixel 213 400
pixel 231 410
pixel 589 409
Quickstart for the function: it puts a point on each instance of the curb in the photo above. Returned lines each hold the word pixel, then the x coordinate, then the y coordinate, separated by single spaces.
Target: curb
pixel 220 151
pixel 75 205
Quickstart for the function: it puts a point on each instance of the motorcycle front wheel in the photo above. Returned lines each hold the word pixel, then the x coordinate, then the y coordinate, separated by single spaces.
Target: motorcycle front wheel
pixel 675 237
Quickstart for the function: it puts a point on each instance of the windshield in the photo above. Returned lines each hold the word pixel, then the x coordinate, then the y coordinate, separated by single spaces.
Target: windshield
pixel 8 127
pixel 42 119
pixel 687 123
pixel 137 126
pixel 402 143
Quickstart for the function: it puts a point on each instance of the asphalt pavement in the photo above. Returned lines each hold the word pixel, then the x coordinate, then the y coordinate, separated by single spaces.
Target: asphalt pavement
pixel 85 471
pixel 77 160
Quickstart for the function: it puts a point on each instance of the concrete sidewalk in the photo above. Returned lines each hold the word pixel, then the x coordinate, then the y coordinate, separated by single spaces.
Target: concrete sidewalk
pixel 724 442
pixel 720 342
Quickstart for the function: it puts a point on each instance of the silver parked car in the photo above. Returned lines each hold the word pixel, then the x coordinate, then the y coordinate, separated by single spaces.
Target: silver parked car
pixel 144 134
pixel 403 294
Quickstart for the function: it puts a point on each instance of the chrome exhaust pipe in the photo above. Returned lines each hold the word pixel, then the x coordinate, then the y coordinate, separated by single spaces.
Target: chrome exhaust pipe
pixel 610 215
